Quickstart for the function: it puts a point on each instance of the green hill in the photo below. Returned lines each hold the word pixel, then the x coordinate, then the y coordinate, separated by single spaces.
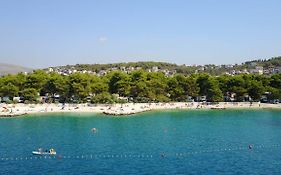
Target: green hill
pixel 184 69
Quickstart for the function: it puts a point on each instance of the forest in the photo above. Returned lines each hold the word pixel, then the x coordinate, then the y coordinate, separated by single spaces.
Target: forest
pixel 138 86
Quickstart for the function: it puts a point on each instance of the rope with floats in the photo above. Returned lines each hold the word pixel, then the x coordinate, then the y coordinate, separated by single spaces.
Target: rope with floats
pixel 138 156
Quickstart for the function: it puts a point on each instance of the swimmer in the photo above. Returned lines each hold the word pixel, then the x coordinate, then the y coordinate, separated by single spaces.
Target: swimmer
pixel 250 146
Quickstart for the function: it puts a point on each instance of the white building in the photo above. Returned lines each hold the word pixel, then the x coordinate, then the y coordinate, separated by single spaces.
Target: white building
pixel 50 69
pixel 130 69
pixel 277 70
pixel 123 69
pixel 155 69
pixel 229 66
pixel 257 70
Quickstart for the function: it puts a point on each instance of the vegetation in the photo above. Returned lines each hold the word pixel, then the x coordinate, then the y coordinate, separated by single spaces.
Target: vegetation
pixel 275 61
pixel 138 86
pixel 180 69
pixel 99 67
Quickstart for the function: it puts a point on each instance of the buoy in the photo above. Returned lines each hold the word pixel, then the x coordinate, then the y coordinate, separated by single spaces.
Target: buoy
pixel 59 157
pixel 94 129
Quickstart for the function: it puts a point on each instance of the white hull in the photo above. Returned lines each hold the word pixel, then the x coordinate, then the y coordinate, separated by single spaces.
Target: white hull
pixel 43 153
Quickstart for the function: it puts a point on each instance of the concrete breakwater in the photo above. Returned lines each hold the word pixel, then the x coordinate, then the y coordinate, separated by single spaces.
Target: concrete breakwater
pixel 12 115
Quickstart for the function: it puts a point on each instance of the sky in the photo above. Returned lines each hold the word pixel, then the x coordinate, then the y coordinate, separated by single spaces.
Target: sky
pixel 43 33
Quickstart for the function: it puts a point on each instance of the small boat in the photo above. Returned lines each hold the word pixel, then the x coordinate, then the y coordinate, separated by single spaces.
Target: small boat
pixel 40 152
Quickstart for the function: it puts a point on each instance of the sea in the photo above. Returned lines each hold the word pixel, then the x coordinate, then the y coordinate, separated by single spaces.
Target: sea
pixel 159 142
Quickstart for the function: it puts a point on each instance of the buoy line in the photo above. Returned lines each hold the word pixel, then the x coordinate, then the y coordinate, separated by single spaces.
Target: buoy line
pixel 139 156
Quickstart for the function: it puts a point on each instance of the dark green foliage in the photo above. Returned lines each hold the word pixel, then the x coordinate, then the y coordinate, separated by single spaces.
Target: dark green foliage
pixel 256 90
pixel 139 86
pixel 119 83
pixel 79 86
pixel 275 61
pixel 209 87
pixel 36 80
pixel 274 93
pixel 104 98
pixel 275 81
pixel 238 86
pixel 30 94
pixel 9 90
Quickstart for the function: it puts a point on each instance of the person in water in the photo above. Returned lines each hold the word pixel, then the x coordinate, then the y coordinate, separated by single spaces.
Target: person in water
pixel 250 146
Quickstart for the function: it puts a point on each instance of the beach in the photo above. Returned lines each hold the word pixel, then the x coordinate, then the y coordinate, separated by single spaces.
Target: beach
pixel 12 110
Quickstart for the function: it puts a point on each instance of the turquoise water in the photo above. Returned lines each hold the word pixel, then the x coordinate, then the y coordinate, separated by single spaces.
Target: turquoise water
pixel 169 142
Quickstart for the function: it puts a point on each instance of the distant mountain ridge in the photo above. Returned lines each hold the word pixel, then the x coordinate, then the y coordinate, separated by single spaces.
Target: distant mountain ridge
pixel 12 69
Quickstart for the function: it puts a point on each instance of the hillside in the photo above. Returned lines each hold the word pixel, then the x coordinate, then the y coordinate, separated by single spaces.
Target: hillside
pixel 99 67
pixel 267 64
pixel 275 61
pixel 12 69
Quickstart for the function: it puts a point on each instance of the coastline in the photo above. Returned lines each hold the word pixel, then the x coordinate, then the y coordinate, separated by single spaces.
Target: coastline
pixel 14 110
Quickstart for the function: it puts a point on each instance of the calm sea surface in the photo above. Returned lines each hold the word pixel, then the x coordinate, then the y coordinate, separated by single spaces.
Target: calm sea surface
pixel 168 142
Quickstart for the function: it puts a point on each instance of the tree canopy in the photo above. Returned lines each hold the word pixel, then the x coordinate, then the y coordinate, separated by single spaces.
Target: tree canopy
pixel 138 86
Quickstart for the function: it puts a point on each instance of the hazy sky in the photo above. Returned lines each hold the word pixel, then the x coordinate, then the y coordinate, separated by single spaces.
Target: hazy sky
pixel 42 33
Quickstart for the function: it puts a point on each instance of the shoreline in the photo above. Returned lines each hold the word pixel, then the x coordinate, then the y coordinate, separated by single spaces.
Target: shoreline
pixel 14 110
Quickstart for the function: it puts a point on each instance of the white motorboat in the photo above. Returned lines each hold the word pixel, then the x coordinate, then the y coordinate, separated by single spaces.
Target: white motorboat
pixel 40 152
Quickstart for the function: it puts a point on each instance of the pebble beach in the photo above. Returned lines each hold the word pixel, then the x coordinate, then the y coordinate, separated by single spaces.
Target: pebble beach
pixel 12 110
